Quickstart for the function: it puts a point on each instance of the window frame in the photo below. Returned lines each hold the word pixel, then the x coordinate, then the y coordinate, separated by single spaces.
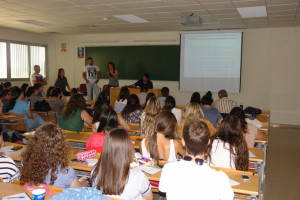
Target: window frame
pixel 29 44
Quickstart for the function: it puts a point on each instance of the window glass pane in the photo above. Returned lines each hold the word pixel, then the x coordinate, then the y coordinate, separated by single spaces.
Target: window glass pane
pixel 38 57
pixel 19 61
pixel 3 60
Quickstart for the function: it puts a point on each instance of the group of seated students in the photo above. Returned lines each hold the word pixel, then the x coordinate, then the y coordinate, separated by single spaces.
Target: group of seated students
pixel 200 135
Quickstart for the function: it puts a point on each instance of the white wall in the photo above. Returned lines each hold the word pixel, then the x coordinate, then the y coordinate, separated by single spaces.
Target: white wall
pixel 22 36
pixel 270 67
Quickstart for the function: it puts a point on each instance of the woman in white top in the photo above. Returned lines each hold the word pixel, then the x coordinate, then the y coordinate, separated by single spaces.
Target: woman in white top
pixel 158 146
pixel 122 100
pixel 112 173
pixel 228 147
pixel 149 116
pixel 170 105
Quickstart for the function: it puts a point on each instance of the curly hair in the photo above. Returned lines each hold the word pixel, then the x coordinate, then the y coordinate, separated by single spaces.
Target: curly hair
pixel 151 111
pixel 230 131
pixel 76 102
pixel 46 151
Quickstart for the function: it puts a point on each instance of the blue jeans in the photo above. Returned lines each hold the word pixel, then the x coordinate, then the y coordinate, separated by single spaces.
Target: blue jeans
pixel 35 123
pixel 90 87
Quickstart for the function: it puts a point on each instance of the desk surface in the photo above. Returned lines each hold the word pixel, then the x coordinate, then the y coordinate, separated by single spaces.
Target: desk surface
pixel 259 155
pixel 7 189
pixel 11 116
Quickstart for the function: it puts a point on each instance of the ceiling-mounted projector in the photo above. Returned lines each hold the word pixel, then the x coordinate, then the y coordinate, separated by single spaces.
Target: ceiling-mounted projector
pixel 191 20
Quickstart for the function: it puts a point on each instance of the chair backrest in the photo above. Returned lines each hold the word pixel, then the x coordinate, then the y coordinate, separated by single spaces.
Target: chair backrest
pixel 1 180
pixel 139 138
pixel 82 88
pixel 226 170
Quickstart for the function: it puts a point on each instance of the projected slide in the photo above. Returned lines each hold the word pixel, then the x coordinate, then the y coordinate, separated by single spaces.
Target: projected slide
pixel 210 61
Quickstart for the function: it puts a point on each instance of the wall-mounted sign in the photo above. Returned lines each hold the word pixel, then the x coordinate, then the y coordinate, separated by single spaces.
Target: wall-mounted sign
pixel 63 47
pixel 80 52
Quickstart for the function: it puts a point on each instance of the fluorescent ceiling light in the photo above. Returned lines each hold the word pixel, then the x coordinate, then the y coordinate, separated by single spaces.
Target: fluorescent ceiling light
pixel 131 18
pixel 251 12
pixel 34 22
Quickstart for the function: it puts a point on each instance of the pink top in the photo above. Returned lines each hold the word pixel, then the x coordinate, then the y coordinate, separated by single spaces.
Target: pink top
pixel 96 142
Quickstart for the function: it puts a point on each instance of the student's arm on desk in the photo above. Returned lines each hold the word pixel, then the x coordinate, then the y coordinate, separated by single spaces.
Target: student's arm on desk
pixel 82 182
pixel 30 115
pixel 123 123
pixel 86 117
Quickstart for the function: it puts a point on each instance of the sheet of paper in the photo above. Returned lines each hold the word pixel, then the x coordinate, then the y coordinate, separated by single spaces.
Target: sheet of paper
pixel 251 155
pixel 19 196
pixel 6 149
pixel 233 183
pixel 148 170
pixel 8 116
pixel 29 133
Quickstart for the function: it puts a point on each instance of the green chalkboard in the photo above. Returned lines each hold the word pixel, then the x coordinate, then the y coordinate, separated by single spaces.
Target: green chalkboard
pixel 160 62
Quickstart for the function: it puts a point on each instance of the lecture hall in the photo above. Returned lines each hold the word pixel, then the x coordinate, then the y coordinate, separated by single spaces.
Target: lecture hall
pixel 149 99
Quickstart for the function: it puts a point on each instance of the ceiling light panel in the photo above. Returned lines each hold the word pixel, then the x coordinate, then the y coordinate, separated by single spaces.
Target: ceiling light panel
pixel 251 12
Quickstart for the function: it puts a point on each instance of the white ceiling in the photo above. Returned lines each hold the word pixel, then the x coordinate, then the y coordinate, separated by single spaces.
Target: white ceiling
pixel 87 16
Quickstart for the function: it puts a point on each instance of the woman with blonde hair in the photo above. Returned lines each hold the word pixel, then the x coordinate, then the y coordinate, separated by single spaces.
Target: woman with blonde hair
pixel 194 110
pixel 45 160
pixel 149 116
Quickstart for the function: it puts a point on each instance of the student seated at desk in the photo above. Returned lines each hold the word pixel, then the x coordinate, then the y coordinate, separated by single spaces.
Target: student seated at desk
pixel 45 160
pixel 149 116
pixel 8 168
pixel 250 131
pixel 57 100
pixel 142 96
pixel 192 178
pixel 132 112
pixel 195 98
pixel 75 114
pixel 210 113
pixel 19 106
pixel 122 100
pixel 5 99
pixel 99 106
pixel 164 93
pixel 32 95
pixel 108 120
pixel 48 93
pixel 158 146
pixel 112 173
pixel 170 105
pixel 194 110
pixel 228 147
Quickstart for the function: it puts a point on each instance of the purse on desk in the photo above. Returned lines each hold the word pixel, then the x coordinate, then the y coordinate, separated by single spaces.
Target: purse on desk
pixel 83 155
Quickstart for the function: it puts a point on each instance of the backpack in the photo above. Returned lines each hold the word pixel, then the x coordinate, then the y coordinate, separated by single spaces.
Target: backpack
pixel 252 111
pixel 42 106
pixel 80 194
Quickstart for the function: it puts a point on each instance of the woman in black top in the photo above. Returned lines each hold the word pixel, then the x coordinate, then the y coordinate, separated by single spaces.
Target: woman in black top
pixel 62 82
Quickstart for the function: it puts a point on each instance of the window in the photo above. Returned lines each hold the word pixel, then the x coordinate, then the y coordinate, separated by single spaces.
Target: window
pixel 3 60
pixel 17 60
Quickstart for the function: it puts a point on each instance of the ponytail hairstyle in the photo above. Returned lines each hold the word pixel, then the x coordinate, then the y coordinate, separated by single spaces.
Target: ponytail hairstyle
pixel 170 103
pixel 24 87
pixel 230 131
pixel 165 124
pixel 207 99
pixel 16 93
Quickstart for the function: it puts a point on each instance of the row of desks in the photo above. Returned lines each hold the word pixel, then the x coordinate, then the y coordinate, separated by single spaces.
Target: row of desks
pixel 250 187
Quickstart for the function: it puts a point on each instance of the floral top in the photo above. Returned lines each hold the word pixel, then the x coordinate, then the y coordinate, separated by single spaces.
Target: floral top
pixel 133 117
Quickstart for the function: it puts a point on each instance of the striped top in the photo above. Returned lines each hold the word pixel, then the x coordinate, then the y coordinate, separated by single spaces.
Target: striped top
pixel 8 169
pixel 225 105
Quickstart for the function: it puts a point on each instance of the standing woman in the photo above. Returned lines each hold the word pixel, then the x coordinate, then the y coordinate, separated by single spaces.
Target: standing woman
pixel 113 75
pixel 62 82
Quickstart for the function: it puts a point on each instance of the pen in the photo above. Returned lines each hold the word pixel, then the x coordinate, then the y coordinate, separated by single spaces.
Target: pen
pixel 157 166
pixel 20 197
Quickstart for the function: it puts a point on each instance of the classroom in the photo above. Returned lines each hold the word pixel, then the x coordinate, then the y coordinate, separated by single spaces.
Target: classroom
pixel 64 34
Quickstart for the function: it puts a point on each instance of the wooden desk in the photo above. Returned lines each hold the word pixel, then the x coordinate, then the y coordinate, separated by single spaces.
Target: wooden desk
pixel 259 155
pixel 80 166
pixel 15 155
pixel 71 137
pixel 114 93
pixel 14 121
pixel 48 116
pixel 7 189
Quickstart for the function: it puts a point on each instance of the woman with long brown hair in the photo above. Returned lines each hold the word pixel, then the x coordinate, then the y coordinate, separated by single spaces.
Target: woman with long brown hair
pixel 75 114
pixel 149 116
pixel 132 112
pixel 112 172
pixel 45 159
pixel 62 82
pixel 158 146
pixel 228 147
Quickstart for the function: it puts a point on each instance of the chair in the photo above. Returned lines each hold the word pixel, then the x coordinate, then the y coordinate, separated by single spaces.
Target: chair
pixel 1 180
pixel 134 127
pixel 83 89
